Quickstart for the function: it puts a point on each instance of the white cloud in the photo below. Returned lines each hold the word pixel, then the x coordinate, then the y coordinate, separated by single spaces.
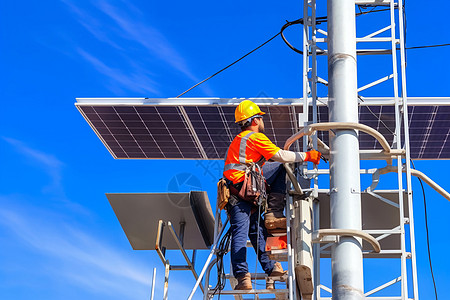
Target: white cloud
pixel 145 35
pixel 48 162
pixel 125 25
pixel 91 24
pixel 136 81
pixel 80 258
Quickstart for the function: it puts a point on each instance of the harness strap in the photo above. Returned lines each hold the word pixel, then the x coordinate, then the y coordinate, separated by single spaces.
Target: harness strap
pixel 243 147
pixel 241 166
pixel 238 167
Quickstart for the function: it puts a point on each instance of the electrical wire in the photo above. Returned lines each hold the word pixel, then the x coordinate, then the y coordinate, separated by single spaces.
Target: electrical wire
pixel 378 118
pixel 257 244
pixel 223 69
pixel 427 46
pixel 404 21
pixel 428 238
pixel 299 21
pixel 222 249
pixel 319 20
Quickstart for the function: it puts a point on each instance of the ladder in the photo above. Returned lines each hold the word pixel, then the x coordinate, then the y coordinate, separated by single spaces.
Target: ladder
pixel 386 40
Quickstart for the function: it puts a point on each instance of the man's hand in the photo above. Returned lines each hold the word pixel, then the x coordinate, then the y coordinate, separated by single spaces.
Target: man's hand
pixel 313 156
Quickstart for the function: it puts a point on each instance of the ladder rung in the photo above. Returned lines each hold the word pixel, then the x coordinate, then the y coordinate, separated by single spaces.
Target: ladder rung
pixel 278 255
pixel 251 292
pixel 261 276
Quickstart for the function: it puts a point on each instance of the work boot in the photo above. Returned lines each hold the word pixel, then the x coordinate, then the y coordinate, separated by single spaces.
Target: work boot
pixel 274 217
pixel 244 282
pixel 277 270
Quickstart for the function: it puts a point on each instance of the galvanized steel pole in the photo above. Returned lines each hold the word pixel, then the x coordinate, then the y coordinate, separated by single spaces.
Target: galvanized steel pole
pixel 347 268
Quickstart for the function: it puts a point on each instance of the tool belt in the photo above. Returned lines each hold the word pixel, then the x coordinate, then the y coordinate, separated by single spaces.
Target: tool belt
pixel 253 189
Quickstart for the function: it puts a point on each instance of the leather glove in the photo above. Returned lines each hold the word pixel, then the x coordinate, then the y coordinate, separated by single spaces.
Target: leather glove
pixel 313 156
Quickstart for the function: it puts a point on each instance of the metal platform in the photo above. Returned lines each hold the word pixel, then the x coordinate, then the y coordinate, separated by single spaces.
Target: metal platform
pixel 139 214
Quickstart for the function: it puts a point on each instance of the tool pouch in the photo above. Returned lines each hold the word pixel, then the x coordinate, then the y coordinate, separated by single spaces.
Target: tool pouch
pixel 223 193
pixel 254 186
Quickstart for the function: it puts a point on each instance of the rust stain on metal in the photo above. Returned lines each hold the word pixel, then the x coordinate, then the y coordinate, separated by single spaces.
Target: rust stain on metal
pixel 350 289
pixel 341 56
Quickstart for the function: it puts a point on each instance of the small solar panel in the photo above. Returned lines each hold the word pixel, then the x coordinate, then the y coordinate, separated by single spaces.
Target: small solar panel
pixel 155 130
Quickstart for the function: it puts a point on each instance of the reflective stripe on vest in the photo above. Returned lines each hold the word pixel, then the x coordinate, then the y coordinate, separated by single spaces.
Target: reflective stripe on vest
pixel 241 166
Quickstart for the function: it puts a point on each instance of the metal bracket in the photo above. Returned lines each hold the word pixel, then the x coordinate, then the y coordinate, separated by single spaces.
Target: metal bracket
pixel 312 128
pixel 160 249
pixel 324 235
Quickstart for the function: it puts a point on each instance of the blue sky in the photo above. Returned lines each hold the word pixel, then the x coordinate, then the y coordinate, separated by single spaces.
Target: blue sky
pixel 59 237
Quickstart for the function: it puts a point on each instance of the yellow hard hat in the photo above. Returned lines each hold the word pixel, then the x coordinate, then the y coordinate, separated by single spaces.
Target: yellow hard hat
pixel 246 109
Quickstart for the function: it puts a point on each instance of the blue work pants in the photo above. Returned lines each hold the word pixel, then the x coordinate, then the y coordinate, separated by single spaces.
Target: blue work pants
pixel 245 224
pixel 275 175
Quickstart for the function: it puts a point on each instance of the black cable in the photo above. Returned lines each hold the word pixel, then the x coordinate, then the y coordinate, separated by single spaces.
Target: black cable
pixel 299 21
pixel 427 46
pixel 222 249
pixel 404 21
pixel 428 238
pixel 371 11
pixel 223 69
pixel 379 119
pixel 319 20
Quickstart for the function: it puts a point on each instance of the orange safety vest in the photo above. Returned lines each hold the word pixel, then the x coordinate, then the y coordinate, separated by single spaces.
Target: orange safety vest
pixel 247 147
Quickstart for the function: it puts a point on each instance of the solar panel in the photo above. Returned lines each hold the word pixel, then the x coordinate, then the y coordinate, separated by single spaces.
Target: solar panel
pixel 204 130
pixel 429 129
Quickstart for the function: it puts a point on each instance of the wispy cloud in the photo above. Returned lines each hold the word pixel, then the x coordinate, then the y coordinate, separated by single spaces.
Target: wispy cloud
pixel 48 162
pixel 91 24
pixel 136 81
pixel 123 24
pixel 49 167
pixel 83 260
pixel 147 36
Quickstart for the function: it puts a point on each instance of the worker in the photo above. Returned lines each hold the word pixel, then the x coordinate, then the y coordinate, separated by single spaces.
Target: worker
pixel 251 145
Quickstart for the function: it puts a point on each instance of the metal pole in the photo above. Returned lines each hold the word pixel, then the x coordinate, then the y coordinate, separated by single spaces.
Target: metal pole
pixel 153 284
pixel 398 144
pixel 408 153
pixel 345 196
pixel 166 280
pixel 316 250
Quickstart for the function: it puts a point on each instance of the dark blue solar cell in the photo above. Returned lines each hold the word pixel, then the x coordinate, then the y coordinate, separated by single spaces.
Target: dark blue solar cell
pixel 146 109
pixel 87 109
pixel 104 110
pixel 124 109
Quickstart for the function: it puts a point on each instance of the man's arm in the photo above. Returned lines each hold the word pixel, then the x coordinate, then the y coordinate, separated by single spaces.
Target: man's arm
pixel 266 148
pixel 286 156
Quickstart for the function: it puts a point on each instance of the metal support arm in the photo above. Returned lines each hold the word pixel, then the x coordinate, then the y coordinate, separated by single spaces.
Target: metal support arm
pixel 319 234
pixel 310 129
pixel 418 174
